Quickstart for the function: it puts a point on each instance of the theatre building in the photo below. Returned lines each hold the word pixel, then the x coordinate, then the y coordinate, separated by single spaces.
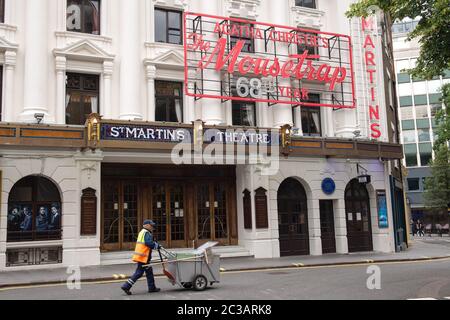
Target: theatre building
pixel 268 126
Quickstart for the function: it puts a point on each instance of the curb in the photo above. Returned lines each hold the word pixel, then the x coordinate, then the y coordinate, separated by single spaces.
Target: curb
pixel 291 266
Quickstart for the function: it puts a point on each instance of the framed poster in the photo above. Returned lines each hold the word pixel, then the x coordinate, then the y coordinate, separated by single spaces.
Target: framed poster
pixel 382 209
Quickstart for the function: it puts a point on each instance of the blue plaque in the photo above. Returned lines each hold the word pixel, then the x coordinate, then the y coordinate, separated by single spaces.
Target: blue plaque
pixel 328 186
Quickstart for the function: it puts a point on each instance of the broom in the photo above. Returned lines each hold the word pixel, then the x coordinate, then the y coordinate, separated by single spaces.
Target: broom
pixel 166 273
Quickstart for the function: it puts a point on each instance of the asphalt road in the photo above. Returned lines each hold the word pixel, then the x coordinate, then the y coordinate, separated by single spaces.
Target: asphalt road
pixel 398 281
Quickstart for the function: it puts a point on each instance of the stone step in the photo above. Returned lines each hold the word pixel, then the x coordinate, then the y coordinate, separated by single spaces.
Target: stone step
pixel 124 257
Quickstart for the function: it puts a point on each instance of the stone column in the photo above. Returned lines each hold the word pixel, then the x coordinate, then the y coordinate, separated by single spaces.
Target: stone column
pixel 315 234
pixel 282 113
pixel 8 94
pixel 151 101
pixel 340 226
pixel 107 111
pixel 36 61
pixel 130 60
pixel 60 103
pixel 211 108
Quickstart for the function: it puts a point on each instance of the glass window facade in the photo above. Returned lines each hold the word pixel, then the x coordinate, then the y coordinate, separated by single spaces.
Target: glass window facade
pixel 83 16
pixel 244 114
pixel 406 101
pixel 82 97
pixel 169 101
pixel 306 3
pixel 168 26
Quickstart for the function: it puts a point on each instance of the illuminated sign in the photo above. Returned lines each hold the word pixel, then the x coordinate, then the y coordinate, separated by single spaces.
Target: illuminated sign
pixel 369 28
pixel 144 133
pixel 235 59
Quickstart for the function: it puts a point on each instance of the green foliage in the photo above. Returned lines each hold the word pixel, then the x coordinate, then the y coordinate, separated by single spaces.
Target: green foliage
pixel 437 187
pixel 432 31
pixel 443 119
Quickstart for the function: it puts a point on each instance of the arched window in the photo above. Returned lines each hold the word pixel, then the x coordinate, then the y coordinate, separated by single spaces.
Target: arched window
pixel 34 210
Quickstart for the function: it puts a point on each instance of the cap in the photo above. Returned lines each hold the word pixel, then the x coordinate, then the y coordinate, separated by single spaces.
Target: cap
pixel 151 222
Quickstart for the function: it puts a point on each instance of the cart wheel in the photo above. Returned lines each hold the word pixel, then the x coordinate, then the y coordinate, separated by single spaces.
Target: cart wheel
pixel 200 283
pixel 187 285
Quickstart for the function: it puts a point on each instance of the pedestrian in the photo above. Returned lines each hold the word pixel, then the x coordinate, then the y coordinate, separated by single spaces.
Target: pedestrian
pixel 142 256
pixel 419 227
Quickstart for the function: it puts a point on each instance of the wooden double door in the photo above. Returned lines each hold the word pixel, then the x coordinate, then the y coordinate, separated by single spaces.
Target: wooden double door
pixel 187 213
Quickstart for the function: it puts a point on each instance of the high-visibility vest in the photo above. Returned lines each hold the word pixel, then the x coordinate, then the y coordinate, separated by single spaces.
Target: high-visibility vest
pixel 142 252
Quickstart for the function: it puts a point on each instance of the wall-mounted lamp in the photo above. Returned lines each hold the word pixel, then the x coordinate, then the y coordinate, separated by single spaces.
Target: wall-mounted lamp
pixel 94 124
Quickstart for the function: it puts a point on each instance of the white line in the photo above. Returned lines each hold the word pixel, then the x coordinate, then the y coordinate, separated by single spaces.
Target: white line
pixel 423 299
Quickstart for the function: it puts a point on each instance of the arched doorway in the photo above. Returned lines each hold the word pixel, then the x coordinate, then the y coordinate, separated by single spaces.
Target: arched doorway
pixel 34 210
pixel 357 209
pixel 293 218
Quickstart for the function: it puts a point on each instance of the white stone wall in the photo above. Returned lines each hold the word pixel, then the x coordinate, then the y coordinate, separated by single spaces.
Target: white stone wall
pixel 311 172
pixel 71 173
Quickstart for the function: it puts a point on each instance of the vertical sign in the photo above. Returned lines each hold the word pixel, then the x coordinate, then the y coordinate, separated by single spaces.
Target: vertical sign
pixel 382 209
pixel 370 33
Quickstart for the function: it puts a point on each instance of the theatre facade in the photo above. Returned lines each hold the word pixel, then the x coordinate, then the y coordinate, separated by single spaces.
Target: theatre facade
pixel 263 132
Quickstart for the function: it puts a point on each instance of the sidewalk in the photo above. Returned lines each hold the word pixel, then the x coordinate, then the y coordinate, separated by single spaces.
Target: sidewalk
pixel 420 249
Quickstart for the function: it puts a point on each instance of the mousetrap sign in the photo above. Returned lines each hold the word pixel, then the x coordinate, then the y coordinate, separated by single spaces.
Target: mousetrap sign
pixel 234 59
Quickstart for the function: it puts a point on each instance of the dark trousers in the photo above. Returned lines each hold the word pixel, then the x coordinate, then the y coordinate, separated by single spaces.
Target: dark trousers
pixel 140 270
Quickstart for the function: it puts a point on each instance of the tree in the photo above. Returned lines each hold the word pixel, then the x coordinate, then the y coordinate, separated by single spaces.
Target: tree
pixel 432 31
pixel 437 187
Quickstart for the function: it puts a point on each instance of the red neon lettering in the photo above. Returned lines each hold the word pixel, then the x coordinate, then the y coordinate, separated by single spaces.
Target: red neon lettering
pixel 369 42
pixel 370 59
pixel 374 112
pixel 371 72
pixel 375 128
pixel 367 23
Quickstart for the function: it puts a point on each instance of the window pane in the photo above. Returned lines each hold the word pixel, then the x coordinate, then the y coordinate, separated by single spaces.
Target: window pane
pixel 169 102
pixel 403 78
pixel 406 101
pixel 160 113
pixel 81 98
pixel 160 26
pixel 410 155
pixel 424 135
pixel 306 3
pixel 408 124
pixel 435 98
pixel 409 136
pixel 175 20
pixel 423 124
pixel 420 100
pixel 413 184
pixel 91 17
pixel 244 114
pixel 83 16
pixel 425 151
pixel 249 45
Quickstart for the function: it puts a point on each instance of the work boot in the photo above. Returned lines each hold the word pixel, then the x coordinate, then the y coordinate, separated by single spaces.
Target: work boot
pixel 127 291
pixel 154 290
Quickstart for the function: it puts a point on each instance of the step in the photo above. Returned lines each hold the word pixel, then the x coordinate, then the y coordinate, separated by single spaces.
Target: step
pixel 124 257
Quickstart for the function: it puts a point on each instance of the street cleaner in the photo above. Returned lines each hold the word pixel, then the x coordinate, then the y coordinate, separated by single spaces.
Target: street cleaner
pixel 142 256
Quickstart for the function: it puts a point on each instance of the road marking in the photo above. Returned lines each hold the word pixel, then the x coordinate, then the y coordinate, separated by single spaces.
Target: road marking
pixel 424 299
